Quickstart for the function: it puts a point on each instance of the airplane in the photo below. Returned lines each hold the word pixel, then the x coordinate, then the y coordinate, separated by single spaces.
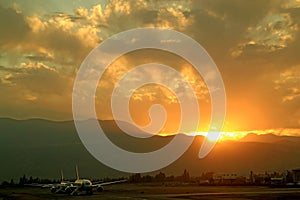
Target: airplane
pixel 58 188
pixel 54 187
pixel 80 185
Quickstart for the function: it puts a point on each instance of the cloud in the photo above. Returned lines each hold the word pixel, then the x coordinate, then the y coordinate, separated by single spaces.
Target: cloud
pixel 30 97
pixel 196 82
pixel 39 57
pixel 133 14
pixel 177 19
pixel 36 24
pixel 288 83
pixel 13 28
pixel 255 44
pixel 274 32
pixel 68 38
pixel 56 38
pixel 35 90
pixel 6 69
pixel 38 78
pixel 291 4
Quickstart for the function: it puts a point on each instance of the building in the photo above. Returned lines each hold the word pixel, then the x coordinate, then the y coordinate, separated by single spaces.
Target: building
pixel 225 178
pixel 277 181
pixel 296 175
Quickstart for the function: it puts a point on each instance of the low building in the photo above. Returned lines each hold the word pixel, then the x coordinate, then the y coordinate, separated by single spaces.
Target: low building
pixel 225 178
pixel 296 175
pixel 277 181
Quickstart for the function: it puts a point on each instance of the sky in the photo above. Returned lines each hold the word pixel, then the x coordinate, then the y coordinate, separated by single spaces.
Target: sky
pixel 255 45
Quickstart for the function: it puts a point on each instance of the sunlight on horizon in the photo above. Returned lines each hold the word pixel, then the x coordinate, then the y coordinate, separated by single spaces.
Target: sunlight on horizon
pixel 220 137
pixel 237 135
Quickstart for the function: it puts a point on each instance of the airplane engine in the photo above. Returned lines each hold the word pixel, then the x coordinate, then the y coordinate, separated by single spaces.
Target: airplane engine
pixel 99 189
pixel 68 190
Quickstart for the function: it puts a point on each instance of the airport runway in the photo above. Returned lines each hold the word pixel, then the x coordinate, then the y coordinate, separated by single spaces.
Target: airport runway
pixel 160 192
pixel 269 194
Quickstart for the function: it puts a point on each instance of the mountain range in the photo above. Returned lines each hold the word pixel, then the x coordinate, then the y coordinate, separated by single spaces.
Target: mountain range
pixel 41 148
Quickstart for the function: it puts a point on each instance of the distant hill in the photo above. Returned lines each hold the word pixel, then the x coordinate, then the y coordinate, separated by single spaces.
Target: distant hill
pixel 41 148
pixel 269 138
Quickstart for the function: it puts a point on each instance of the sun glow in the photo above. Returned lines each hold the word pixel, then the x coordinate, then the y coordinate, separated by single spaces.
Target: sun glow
pixel 221 136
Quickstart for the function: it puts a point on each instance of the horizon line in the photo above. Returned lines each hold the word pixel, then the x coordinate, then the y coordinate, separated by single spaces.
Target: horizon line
pixel 280 131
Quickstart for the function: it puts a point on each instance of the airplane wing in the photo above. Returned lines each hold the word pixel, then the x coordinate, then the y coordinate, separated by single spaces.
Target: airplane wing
pixel 109 183
pixel 42 185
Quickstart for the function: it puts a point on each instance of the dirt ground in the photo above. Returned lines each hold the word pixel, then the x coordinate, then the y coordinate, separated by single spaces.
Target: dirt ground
pixel 159 191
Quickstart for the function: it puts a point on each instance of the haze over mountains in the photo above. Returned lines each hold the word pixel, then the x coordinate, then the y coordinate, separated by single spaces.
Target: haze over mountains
pixel 41 148
pixel 269 138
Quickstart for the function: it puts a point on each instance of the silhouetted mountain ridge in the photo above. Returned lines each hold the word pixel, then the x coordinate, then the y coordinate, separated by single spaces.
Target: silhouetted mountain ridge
pixel 269 138
pixel 42 147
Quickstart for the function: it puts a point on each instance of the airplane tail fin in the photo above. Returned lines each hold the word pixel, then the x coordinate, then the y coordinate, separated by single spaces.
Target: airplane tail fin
pixel 62 175
pixel 77 174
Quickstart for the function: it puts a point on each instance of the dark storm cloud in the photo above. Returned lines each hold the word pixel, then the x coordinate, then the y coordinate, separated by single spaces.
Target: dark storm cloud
pixel 13 27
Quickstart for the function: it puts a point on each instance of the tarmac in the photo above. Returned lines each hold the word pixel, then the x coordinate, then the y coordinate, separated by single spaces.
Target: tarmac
pixel 159 191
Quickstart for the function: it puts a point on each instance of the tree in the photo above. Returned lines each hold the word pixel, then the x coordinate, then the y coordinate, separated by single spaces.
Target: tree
pixel 23 180
pixel 11 182
pixel 185 176
pixel 160 177
pixel 135 178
